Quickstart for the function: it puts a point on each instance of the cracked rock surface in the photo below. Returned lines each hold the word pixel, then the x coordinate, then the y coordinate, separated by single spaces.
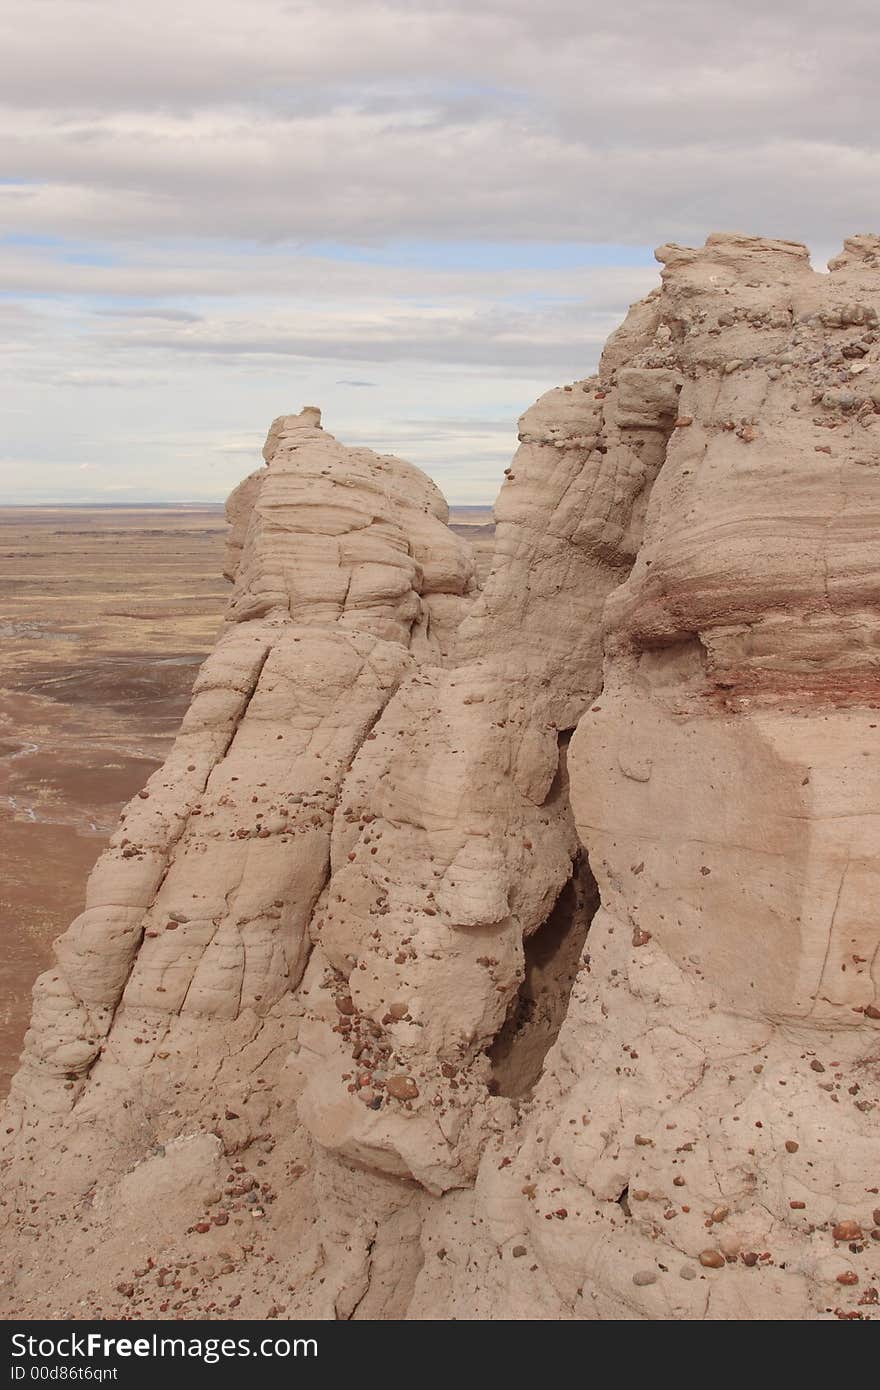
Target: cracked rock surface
pixel 507 951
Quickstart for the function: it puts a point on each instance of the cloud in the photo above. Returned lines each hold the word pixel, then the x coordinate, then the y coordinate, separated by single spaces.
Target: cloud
pixel 357 176
pixel 202 271
pixel 168 315
pixel 260 119
pixel 551 337
pixel 210 207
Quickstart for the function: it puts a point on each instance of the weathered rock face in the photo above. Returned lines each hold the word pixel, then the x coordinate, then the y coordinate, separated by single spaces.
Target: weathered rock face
pixel 349 934
pixel 726 785
pixel 196 921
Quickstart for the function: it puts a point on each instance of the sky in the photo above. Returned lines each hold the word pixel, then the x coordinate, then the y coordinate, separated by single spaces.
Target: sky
pixel 417 214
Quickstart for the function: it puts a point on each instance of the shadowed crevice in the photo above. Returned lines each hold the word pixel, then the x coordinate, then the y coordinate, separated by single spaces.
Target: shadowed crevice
pixel 552 955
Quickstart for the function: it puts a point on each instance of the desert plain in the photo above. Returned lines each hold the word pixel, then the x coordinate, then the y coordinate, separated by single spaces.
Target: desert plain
pixel 105 615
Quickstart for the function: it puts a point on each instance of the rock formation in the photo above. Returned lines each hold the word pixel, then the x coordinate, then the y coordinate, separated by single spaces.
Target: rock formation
pixel 508 952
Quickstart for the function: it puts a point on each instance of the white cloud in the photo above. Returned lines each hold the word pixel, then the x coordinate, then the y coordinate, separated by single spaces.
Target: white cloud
pixel 169 171
pixel 271 120
pixel 217 270
pixel 442 382
pixel 356 176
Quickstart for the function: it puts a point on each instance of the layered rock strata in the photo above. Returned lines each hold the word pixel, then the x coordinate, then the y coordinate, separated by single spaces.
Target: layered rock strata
pixel 522 938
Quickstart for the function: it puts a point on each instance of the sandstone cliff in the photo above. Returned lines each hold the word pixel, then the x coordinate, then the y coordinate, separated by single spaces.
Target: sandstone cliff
pixel 508 952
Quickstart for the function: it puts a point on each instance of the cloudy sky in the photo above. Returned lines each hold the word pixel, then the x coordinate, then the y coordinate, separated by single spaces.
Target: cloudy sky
pixel 418 214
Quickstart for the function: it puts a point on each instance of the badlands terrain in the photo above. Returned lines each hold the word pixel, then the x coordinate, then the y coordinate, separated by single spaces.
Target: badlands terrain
pixel 503 944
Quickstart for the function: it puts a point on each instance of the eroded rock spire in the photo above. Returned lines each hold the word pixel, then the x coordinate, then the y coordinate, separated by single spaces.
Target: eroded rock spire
pixel 344 951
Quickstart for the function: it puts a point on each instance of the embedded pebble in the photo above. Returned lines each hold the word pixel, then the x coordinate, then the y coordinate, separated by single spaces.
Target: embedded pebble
pixel 847 1230
pixel 402 1087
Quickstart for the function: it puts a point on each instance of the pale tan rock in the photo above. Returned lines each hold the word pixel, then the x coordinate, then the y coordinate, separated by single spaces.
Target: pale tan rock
pixel 199 910
pixel 722 785
pixel 346 929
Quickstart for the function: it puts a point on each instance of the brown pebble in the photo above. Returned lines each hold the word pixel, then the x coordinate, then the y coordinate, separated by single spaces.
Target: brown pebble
pixel 847 1230
pixel 848 1276
pixel 643 1277
pixel 816 1065
pixel 750 1258
pixel 398 1010
pixel 712 1259
pixel 202 1227
pixel 875 1216
pixel 518 1251
pixel 872 1011
pixel 345 1004
pixel 402 1087
pixel 797 1206
pixel 791 1146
